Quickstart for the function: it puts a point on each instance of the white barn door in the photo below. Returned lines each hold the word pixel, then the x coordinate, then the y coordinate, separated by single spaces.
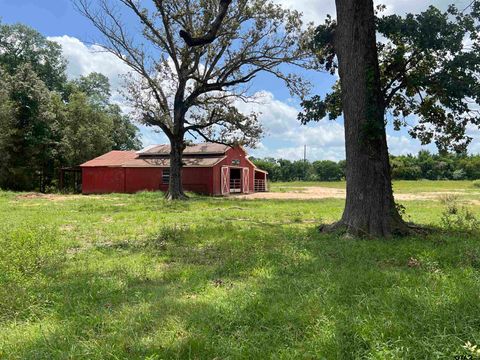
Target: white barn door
pixel 246 180
pixel 225 180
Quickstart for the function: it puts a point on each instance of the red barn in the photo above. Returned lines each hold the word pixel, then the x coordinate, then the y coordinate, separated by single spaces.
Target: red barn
pixel 211 169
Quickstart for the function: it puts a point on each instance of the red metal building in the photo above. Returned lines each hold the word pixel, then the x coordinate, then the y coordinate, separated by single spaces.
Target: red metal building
pixel 211 169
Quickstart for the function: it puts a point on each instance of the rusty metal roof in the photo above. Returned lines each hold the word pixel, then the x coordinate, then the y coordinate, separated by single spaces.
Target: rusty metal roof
pixel 165 162
pixel 195 149
pixel 132 159
pixel 111 159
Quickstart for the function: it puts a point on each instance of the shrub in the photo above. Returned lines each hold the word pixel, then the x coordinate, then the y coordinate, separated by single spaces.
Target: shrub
pixel 476 183
pixel 459 174
pixel 458 218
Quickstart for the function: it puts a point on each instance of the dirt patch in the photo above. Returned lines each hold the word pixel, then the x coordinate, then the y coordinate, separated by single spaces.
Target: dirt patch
pixel 316 192
pixel 31 196
pixel 51 197
pixel 308 193
pixel 434 195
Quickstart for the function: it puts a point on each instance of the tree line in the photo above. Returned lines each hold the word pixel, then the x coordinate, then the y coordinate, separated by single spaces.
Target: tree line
pixel 424 165
pixel 48 121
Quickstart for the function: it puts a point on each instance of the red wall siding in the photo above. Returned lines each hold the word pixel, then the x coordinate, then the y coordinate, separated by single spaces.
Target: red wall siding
pixel 101 180
pixel 150 179
pixel 198 180
pixel 143 179
pixel 232 154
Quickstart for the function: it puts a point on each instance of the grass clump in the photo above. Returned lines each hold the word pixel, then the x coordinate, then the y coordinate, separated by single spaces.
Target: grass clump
pixel 476 183
pixel 167 235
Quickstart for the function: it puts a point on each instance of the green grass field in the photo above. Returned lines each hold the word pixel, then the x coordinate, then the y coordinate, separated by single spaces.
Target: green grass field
pixel 400 186
pixel 135 277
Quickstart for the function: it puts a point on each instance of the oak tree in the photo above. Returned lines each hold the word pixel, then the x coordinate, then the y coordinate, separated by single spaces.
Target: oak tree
pixel 192 61
pixel 424 71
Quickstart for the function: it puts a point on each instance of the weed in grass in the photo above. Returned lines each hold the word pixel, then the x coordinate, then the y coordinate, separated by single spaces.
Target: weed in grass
pixel 472 349
pixel 168 234
pixel 458 218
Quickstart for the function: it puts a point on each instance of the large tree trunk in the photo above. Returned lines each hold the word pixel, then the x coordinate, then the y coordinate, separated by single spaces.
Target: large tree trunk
pixel 370 208
pixel 175 187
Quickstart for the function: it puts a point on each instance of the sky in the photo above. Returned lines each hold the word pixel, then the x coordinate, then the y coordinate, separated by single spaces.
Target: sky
pixel 284 138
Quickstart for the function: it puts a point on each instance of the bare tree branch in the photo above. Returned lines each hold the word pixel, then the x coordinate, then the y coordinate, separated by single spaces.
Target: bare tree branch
pixel 211 35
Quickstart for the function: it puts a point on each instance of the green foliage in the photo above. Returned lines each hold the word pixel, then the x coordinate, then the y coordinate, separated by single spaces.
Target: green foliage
pixel 476 183
pixel 86 139
pixel 28 128
pixel 21 45
pixel 125 135
pixel 236 279
pixel 429 71
pixel 456 217
pixel 46 122
pixel 327 170
pixel 286 170
pixel 96 85
pixel 405 167
pixel 435 167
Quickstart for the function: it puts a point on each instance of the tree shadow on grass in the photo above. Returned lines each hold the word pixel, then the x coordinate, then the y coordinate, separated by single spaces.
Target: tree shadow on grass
pixel 256 292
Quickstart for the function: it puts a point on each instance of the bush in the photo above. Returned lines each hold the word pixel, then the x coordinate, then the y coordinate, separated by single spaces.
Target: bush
pixel 459 174
pixel 456 218
pixel 476 183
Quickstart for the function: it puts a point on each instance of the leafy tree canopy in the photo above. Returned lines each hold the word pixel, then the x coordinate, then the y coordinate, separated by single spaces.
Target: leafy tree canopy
pixel 47 122
pixel 96 86
pixel 430 71
pixel 20 44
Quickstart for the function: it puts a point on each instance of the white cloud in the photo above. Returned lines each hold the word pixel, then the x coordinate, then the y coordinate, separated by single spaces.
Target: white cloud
pixel 151 136
pixel 84 59
pixel 315 10
pixel 280 121
pixel 474 132
pixel 285 136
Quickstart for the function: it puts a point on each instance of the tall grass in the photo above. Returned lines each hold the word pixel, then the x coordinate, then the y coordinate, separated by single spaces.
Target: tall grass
pixel 28 256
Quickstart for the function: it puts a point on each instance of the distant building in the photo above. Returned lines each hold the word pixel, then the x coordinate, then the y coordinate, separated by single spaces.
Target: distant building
pixel 209 168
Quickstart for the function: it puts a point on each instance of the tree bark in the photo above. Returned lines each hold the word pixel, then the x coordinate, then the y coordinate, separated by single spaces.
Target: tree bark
pixel 370 208
pixel 175 187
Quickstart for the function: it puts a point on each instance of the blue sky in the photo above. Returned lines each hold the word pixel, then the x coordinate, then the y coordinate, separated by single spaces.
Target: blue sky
pixel 285 138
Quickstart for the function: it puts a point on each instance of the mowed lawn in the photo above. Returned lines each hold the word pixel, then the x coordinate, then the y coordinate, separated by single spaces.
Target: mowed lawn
pixel 135 277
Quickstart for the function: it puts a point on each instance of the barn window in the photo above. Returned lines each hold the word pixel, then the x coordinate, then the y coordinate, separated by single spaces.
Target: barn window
pixel 166 177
